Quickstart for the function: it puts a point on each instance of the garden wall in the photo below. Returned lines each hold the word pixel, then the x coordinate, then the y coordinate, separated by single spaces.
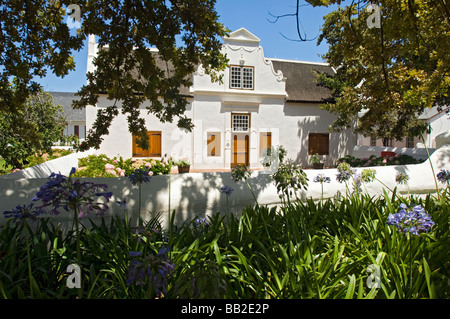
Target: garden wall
pixel 198 194
pixel 59 165
pixel 361 151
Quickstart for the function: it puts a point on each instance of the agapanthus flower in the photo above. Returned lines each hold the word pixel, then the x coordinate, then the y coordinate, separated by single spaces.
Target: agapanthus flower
pixel 152 269
pixel 140 176
pixel 23 212
pixel 62 192
pixel 402 178
pixel 226 190
pixel 122 203
pixel 443 176
pixel 411 219
pixel 368 175
pixel 321 178
pixel 344 172
pixel 200 226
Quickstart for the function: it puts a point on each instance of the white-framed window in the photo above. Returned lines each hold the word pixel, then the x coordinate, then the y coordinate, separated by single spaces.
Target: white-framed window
pixel 410 142
pixel 241 77
pixel 240 122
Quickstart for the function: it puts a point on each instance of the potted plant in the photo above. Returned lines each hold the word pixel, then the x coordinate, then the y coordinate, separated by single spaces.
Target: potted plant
pixel 183 165
pixel 316 162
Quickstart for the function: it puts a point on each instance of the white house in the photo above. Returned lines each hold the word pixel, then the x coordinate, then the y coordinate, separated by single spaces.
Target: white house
pixel 262 102
pixel 438 119
pixel 75 118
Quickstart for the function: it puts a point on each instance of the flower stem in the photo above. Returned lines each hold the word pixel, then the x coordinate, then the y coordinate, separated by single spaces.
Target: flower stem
pixel 77 233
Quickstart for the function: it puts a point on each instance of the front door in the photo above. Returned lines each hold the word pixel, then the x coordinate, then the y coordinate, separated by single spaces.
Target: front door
pixel 239 155
pixel 240 125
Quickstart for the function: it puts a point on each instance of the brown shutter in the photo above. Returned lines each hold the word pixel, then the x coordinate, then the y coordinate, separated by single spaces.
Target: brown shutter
pixel 265 142
pixel 213 144
pixel 154 149
pixel 318 143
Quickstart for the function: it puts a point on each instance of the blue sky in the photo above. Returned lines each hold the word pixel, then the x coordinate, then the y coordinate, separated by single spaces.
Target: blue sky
pixel 254 15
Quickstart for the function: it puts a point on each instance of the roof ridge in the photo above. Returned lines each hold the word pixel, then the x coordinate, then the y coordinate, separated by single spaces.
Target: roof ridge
pixel 298 61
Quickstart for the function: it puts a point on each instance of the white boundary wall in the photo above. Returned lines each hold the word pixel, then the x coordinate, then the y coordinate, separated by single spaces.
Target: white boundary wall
pixel 61 165
pixel 198 194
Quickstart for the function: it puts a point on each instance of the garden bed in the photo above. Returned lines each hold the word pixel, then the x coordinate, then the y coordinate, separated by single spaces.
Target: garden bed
pixel 340 248
pixel 352 245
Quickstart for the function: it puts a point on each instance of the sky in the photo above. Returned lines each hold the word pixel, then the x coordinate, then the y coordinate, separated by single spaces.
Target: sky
pixel 256 17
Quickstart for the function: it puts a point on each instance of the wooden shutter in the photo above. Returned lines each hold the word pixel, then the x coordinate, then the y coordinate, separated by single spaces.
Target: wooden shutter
pixel 154 149
pixel 213 144
pixel 265 142
pixel 318 143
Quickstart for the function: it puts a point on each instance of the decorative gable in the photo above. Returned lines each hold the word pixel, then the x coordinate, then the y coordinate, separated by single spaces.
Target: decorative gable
pixel 250 76
pixel 242 37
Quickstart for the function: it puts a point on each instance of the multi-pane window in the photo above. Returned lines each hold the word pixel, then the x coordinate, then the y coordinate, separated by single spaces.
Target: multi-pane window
pixel 410 142
pixel 241 77
pixel 241 122
pixel 373 141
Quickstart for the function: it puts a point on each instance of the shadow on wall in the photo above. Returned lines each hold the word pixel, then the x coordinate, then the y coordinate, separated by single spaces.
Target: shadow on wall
pixel 318 121
pixel 198 194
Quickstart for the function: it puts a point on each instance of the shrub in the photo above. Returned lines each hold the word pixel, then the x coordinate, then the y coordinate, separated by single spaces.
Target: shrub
pixel 373 160
pixel 103 166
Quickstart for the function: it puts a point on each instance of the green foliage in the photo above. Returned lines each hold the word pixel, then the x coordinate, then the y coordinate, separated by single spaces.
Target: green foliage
pixel 373 160
pixel 186 34
pixel 36 38
pixel 30 130
pixel 302 250
pixel 103 166
pixel 392 73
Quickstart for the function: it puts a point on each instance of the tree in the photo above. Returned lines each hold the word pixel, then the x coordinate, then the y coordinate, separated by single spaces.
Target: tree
pixel 33 129
pixel 186 34
pixel 34 38
pixel 386 74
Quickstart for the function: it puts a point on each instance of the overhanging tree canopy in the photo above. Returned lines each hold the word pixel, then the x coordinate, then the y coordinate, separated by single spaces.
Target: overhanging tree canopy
pixel 387 74
pixel 35 36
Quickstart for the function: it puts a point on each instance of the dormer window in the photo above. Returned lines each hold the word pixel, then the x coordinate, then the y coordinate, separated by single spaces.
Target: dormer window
pixel 241 77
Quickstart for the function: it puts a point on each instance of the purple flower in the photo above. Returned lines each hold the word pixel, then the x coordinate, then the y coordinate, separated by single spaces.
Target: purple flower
pixel 321 178
pixel 152 269
pixel 443 176
pixel 61 192
pixel 226 190
pixel 413 220
pixel 140 176
pixel 21 213
pixel 122 203
pixel 200 225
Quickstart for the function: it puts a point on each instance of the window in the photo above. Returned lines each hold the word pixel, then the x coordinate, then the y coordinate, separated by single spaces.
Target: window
pixel 240 122
pixel 76 131
pixel 213 144
pixel 265 142
pixel 318 143
pixel 410 142
pixel 389 142
pixel 241 77
pixel 373 141
pixel 154 149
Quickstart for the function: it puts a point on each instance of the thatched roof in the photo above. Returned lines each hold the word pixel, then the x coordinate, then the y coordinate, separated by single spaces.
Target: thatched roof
pixel 301 81
pixel 65 100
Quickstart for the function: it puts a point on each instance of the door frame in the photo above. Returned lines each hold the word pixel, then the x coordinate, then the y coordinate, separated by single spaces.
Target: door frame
pixel 234 137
